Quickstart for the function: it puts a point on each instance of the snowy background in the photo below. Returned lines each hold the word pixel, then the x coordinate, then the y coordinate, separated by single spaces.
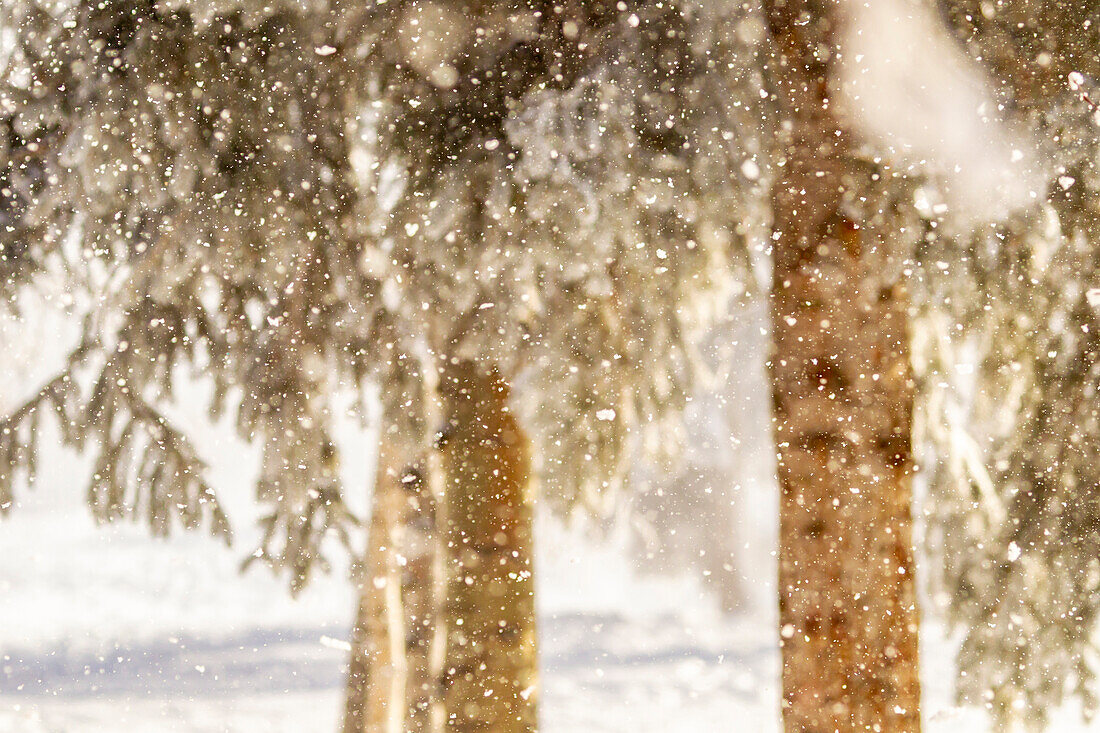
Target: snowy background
pixel 107 629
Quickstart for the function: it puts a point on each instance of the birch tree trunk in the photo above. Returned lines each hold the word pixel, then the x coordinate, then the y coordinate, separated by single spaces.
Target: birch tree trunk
pixel 375 687
pixel 445 633
pixel 842 398
pixel 392 677
pixel 490 670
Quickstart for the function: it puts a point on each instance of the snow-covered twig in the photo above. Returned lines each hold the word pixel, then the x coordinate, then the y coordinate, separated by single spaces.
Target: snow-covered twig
pixel 1076 82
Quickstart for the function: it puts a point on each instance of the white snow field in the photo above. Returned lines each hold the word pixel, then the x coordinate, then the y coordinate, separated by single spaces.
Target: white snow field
pixel 107 629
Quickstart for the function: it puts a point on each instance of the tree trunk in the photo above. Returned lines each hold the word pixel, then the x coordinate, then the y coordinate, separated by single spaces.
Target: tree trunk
pixel 842 397
pixel 490 672
pixel 391 684
pixel 375 688
pixel 460 657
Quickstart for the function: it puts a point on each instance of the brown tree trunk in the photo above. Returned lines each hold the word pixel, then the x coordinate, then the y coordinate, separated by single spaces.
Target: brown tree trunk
pixel 842 396
pixel 490 672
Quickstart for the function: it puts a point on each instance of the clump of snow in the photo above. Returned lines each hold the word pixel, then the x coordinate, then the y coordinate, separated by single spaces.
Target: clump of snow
pixel 909 88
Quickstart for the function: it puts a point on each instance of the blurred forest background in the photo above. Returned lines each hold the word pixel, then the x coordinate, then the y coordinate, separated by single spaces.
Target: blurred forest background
pixel 582 366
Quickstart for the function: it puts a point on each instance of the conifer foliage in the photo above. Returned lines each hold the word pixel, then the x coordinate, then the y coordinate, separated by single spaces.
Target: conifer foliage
pixel 1014 492
pixel 288 197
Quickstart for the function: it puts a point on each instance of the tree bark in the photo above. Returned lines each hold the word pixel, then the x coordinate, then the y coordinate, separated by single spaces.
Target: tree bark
pixel 391 684
pixel 457 655
pixel 842 398
pixel 372 677
pixel 490 669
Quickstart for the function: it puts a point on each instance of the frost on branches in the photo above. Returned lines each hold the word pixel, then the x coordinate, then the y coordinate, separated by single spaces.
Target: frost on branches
pixel 284 197
pixel 1014 513
pixel 559 189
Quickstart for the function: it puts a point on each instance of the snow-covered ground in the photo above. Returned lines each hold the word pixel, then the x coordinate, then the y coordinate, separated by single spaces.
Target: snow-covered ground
pixel 106 629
